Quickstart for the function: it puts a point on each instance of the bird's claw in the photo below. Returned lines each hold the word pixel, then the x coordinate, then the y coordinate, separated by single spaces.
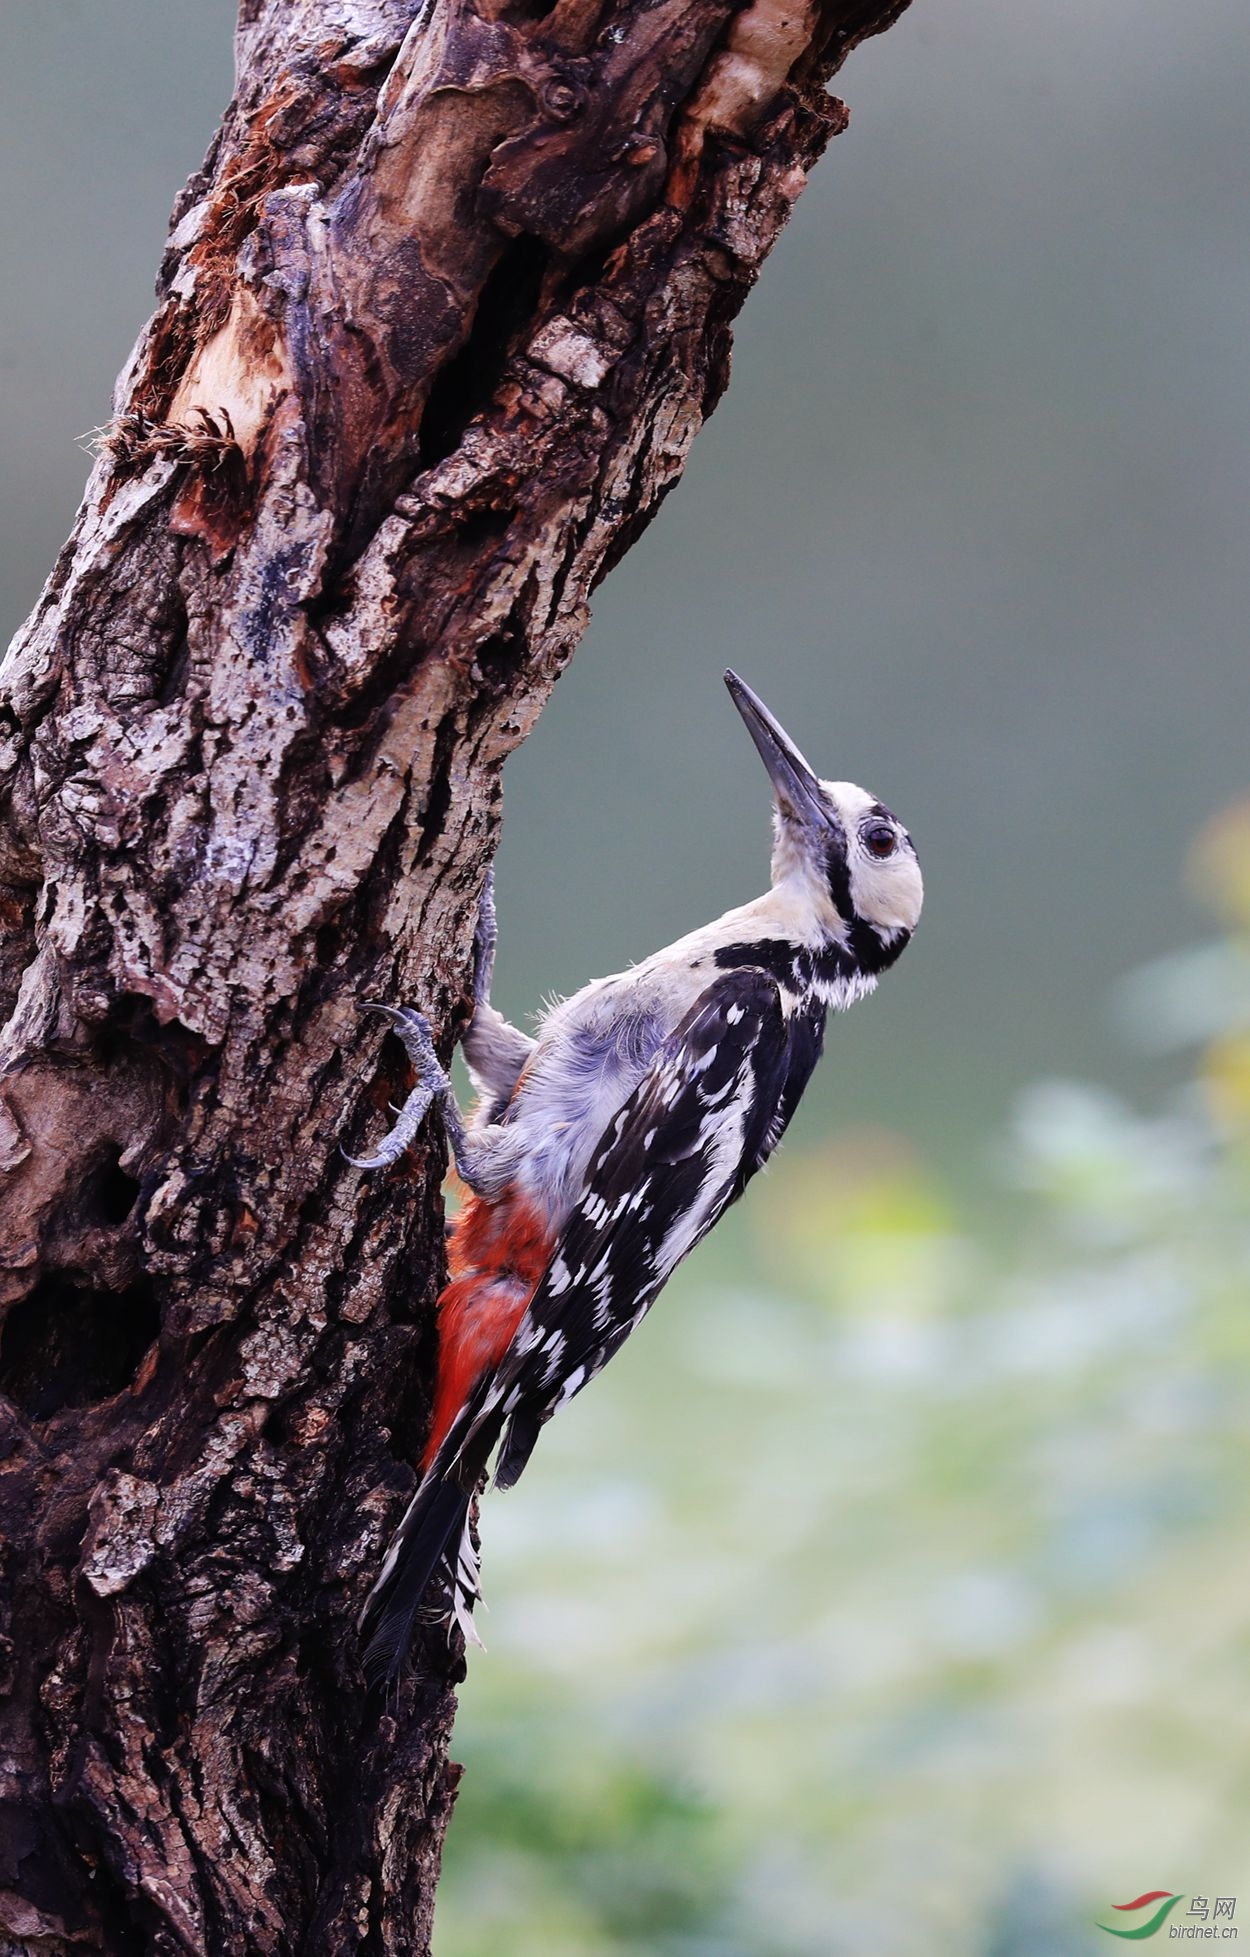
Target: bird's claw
pixel 415 1031
pixel 485 939
pixel 382 1161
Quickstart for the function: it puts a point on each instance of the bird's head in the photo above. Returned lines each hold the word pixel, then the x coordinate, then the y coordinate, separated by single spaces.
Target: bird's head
pixel 840 850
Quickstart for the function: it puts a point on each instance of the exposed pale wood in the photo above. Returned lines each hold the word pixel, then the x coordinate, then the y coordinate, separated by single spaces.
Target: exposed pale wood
pixel 436 326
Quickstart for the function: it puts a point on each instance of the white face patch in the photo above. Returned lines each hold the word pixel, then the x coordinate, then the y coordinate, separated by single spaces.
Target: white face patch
pixel 887 890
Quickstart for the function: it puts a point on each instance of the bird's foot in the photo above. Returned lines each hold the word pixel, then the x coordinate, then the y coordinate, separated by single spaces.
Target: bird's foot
pixel 414 1030
pixel 485 939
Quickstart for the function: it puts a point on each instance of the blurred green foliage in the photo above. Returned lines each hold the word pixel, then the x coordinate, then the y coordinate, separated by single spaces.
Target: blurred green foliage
pixel 889 1593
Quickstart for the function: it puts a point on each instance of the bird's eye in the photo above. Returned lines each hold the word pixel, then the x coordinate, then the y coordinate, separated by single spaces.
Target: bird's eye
pixel 880 841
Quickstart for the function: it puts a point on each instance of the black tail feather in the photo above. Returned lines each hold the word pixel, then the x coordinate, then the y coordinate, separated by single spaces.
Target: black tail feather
pixel 435 1517
pixel 518 1444
pixel 433 1522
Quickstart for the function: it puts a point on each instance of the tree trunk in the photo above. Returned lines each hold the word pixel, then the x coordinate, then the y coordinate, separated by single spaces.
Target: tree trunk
pixel 436 325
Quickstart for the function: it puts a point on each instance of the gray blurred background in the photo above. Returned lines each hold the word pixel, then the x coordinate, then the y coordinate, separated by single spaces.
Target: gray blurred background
pixel 907 1660
pixel 971 517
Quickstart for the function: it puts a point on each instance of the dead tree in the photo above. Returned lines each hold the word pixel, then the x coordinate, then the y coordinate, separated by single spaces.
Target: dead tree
pixel 436 325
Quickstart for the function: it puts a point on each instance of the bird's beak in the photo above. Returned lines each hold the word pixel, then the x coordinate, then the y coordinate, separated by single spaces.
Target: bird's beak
pixel 795 785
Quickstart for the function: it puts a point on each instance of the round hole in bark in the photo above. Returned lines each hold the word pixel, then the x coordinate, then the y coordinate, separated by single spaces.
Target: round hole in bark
pixel 111 1192
pixel 477 527
pixel 499 658
pixel 67 1345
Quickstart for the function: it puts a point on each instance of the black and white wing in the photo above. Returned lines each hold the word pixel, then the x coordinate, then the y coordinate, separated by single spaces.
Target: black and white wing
pixel 706 1115
pixel 699 1124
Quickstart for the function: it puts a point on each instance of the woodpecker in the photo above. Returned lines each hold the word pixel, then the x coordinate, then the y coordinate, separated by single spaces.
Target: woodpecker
pixel 601 1151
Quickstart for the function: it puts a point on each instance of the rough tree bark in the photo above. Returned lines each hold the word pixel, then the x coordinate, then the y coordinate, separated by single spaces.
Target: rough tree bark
pixel 436 325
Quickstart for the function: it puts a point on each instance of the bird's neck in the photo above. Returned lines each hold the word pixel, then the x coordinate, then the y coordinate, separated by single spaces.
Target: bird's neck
pixel 841 944
pixel 811 962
